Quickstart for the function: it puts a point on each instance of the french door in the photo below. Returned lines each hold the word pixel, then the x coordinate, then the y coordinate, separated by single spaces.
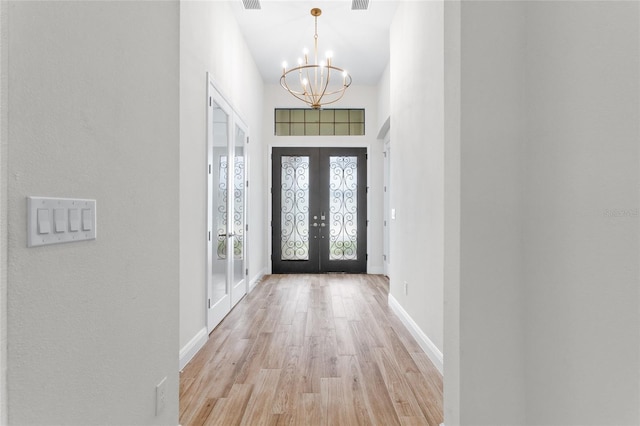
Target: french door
pixel 319 218
pixel 227 208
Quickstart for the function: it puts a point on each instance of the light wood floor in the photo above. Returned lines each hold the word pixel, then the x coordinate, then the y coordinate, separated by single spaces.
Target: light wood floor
pixel 312 350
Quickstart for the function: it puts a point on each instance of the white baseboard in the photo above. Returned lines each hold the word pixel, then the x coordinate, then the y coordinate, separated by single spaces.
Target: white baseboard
pixel 256 279
pixel 190 349
pixel 423 340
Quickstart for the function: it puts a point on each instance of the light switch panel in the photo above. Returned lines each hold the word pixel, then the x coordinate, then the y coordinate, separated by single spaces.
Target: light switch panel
pixel 48 219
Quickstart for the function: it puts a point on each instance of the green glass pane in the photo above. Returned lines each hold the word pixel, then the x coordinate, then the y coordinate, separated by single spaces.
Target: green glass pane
pixel 282 115
pixel 342 116
pixel 356 115
pixel 312 129
pixel 297 116
pixel 357 129
pixel 327 116
pixel 326 129
pixel 312 116
pixel 342 129
pixel 297 129
pixel 282 129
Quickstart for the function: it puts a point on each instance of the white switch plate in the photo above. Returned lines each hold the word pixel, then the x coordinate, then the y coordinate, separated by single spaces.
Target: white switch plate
pixel 62 212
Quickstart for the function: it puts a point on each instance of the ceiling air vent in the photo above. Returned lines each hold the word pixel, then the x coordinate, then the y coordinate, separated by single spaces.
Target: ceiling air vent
pixel 359 4
pixel 252 4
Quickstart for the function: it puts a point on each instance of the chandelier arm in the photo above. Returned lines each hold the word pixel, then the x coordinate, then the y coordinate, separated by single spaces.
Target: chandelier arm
pixel 311 85
pixel 283 83
pixel 324 89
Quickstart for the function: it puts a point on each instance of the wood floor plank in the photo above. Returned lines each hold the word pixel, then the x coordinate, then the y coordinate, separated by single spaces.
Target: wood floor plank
pixel 401 394
pixel 312 350
pixel 286 395
pixel 258 411
pixel 229 411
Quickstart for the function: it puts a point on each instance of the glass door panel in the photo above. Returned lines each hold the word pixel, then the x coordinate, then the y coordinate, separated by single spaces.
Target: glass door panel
pixel 218 289
pixel 343 208
pixel 237 229
pixel 294 219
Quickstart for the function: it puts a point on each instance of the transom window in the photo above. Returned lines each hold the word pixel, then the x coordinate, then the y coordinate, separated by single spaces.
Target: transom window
pixel 319 122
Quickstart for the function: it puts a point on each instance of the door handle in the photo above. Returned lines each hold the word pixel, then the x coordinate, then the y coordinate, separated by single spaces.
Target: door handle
pixel 227 235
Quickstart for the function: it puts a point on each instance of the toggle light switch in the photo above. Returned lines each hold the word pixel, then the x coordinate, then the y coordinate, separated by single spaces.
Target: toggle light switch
pixel 87 221
pixel 74 220
pixel 58 220
pixel 44 227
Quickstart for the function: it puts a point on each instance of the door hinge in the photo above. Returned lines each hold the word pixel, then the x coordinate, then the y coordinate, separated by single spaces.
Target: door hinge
pixel 385 223
pixel 246 271
pixel 246 227
pixel 367 190
pixel 385 188
pixel 247 184
pixel 209 235
pixel 209 303
pixel 209 100
pixel 366 156
pixel 209 168
pixel 384 257
pixel 247 139
pixel 367 222
pixel 367 256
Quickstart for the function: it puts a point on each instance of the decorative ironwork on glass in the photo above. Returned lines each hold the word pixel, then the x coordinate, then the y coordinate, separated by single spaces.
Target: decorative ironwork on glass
pixel 238 207
pixel 343 208
pixel 295 208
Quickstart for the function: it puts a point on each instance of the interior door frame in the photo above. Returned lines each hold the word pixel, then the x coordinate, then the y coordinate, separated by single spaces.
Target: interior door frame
pixel 294 142
pixel 215 316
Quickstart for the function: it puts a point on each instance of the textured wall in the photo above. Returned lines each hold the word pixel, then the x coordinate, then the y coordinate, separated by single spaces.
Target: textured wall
pixel 93 326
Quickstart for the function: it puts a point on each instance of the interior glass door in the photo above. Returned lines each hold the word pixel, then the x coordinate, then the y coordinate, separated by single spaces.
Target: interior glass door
pixel 319 215
pixel 227 208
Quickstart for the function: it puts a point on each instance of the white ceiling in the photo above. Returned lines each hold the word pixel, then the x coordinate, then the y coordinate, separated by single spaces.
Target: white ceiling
pixel 280 30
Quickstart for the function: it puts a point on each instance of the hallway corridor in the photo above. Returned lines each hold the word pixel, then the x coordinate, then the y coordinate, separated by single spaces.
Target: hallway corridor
pixel 312 350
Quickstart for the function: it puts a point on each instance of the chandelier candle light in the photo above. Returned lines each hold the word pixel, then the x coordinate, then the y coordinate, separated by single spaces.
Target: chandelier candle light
pixel 317 82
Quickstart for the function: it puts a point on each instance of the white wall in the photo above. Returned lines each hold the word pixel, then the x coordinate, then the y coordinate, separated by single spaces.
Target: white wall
pixel 549 100
pixel 211 41
pixel 491 285
pixel 417 168
pixel 3 212
pixel 581 222
pixel 384 102
pixel 93 326
pixel 355 97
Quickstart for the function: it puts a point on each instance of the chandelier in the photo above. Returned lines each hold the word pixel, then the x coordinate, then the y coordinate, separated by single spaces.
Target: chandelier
pixel 319 83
